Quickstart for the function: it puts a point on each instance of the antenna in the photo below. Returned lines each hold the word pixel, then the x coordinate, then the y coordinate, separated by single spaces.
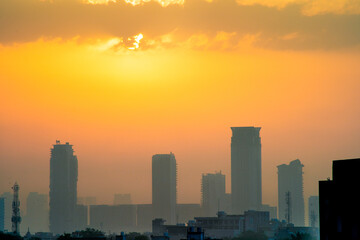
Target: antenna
pixel 16 219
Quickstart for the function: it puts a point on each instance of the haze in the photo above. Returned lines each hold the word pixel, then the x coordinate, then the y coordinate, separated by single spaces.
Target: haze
pixel 78 72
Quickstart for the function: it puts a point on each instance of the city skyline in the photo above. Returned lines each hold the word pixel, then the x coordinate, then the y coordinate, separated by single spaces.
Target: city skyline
pixel 123 90
pixel 272 202
pixel 164 171
pixel 235 89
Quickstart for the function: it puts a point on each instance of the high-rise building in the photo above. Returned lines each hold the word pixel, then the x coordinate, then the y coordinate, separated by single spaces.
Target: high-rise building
pixel 313 206
pixel 246 191
pixel 2 214
pixel 290 193
pixel 339 202
pixel 7 196
pixel 63 188
pixel 212 193
pixel 37 212
pixel 122 198
pixel 164 187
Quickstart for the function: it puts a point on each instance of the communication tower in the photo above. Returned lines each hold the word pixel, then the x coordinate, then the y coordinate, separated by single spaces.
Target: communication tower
pixel 16 219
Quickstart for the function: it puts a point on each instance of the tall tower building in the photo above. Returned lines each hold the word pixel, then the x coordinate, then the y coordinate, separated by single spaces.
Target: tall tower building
pixel 246 191
pixel 290 192
pixel 63 188
pixel 164 187
pixel 212 193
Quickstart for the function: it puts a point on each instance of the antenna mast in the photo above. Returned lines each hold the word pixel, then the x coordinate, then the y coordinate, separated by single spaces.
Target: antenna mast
pixel 16 219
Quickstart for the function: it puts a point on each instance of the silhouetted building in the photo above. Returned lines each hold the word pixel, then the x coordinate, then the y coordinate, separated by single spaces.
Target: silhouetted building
pixel 222 226
pixel 339 202
pixel 63 188
pixel 272 210
pixel 122 199
pixel 8 210
pixel 113 218
pixel 37 212
pixel 144 217
pixel 158 227
pixel 81 217
pixel 245 169
pixel 313 206
pixel 212 193
pixel 164 187
pixel 256 220
pixel 175 232
pixel 2 214
pixel 290 192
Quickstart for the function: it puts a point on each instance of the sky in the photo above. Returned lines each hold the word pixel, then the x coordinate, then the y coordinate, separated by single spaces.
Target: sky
pixel 123 80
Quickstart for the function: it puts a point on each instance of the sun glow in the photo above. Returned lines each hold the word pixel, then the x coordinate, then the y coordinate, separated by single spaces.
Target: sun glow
pixel 136 43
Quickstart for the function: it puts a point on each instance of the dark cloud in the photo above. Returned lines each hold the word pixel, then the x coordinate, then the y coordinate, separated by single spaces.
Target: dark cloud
pixel 286 28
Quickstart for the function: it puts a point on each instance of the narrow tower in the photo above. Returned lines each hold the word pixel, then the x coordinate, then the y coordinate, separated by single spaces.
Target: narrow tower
pixel 16 219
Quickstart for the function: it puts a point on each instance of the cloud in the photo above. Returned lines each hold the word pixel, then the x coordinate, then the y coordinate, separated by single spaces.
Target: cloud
pixel 311 7
pixel 276 28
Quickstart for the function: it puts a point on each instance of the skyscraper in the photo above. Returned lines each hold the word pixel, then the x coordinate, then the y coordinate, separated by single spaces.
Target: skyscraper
pixel 246 191
pixel 63 187
pixel 212 193
pixel 164 187
pixel 290 192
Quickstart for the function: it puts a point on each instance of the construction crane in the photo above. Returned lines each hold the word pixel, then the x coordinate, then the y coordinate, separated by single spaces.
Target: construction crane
pixel 16 219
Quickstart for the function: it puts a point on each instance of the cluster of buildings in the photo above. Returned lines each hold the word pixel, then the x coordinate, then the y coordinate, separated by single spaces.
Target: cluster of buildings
pixel 220 214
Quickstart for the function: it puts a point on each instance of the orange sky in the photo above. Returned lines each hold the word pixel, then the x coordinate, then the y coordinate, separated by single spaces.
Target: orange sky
pixel 284 66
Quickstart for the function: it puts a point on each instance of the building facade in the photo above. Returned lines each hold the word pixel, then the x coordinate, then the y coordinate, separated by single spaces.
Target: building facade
pixel 63 188
pixel 212 193
pixel 164 187
pixel 339 202
pixel 246 192
pixel 290 193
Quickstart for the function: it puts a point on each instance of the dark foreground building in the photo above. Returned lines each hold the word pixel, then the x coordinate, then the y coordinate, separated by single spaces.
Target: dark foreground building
pixel 339 202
